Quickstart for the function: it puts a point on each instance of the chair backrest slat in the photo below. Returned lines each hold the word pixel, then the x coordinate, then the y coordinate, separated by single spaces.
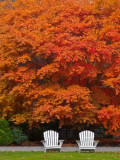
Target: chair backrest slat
pixel 51 138
pixel 86 138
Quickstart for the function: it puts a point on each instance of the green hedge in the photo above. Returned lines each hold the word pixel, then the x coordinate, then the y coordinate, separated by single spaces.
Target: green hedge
pixel 6 136
pixel 4 124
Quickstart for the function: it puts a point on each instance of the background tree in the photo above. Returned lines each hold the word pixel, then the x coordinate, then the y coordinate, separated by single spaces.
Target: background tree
pixel 60 60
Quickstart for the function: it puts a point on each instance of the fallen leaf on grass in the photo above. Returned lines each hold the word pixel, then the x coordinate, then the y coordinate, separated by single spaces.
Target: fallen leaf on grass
pixel 118 155
pixel 46 155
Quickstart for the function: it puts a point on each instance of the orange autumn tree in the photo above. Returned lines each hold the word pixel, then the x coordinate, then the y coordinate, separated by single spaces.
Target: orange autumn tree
pixel 59 60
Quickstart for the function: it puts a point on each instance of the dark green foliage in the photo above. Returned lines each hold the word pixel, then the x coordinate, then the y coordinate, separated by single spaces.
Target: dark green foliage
pixel 6 137
pixel 100 133
pixel 18 136
pixel 36 134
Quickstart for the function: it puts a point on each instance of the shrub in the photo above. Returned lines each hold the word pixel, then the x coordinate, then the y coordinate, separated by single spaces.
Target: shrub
pixel 4 124
pixel 6 137
pixel 18 136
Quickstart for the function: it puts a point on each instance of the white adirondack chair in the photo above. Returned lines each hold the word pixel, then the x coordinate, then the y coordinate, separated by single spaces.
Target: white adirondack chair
pixel 51 140
pixel 87 141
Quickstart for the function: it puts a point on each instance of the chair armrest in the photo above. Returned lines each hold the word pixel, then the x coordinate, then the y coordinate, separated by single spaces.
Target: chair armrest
pixel 61 142
pixel 95 143
pixel 78 142
pixel 44 142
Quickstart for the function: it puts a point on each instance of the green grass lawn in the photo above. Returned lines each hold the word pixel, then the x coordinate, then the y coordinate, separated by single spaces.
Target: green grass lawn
pixel 59 156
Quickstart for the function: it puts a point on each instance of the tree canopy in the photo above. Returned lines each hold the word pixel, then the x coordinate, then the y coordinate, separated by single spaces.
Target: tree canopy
pixel 60 60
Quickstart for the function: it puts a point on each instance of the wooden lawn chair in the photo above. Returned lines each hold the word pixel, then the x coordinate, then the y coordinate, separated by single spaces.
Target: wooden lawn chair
pixel 51 141
pixel 87 141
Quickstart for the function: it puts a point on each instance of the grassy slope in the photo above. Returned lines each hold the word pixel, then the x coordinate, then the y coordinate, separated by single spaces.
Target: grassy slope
pixel 58 156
